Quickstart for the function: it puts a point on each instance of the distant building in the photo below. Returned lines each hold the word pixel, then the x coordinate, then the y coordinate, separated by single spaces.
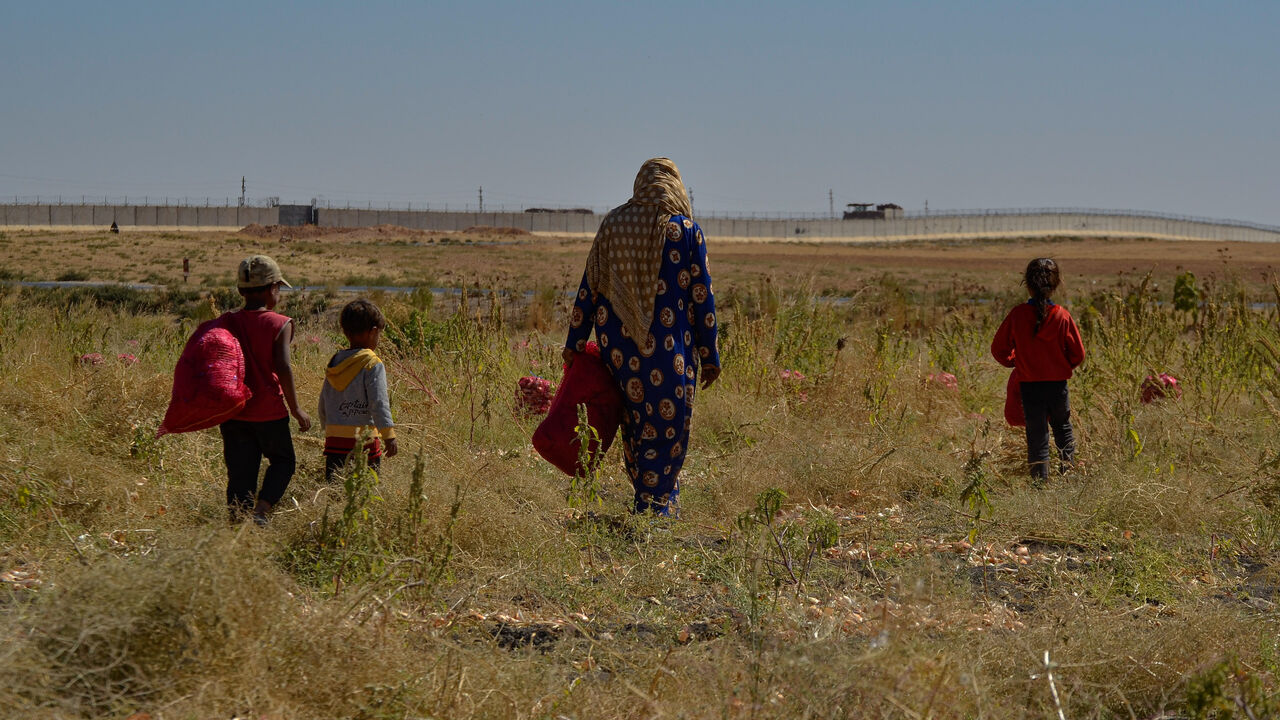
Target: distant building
pixel 863 211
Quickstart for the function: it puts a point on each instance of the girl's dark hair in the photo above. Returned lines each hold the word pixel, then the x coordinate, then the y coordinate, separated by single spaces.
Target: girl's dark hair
pixel 1041 279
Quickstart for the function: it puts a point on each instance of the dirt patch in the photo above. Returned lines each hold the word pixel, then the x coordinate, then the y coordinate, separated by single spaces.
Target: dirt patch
pixel 390 254
pixel 490 230
pixel 996 263
pixel 537 635
pixel 378 232
pixel 299 231
pixel 545 635
pixel 307 232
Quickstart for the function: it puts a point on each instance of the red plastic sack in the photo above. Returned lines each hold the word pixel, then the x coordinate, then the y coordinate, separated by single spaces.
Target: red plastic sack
pixel 1013 401
pixel 1159 387
pixel 588 381
pixel 208 383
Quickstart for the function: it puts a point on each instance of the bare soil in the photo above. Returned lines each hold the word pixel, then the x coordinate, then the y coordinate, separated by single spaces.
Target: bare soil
pixel 513 258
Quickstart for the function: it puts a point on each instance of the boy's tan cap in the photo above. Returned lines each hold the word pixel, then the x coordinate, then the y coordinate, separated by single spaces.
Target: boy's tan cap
pixel 259 270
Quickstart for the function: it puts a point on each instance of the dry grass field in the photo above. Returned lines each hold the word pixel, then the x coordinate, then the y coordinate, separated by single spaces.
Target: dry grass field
pixel 857 540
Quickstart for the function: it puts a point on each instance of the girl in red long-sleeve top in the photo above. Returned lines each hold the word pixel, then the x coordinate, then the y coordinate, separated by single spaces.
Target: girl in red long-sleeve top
pixel 1042 343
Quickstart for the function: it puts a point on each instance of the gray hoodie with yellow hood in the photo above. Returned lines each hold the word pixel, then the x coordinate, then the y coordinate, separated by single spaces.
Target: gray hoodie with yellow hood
pixel 355 395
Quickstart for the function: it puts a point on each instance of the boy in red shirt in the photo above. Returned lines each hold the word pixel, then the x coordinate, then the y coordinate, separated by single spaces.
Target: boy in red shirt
pixel 1042 342
pixel 262 428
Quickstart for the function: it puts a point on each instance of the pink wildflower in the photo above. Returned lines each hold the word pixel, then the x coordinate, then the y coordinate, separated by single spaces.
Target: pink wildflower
pixel 127 358
pixel 91 359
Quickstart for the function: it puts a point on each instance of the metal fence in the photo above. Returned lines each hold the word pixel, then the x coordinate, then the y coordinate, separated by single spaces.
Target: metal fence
pixel 1103 212
pixel 271 202
pixel 994 212
pixel 143 200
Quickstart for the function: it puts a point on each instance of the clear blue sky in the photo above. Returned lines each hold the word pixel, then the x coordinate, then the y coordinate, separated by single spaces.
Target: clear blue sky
pixel 1165 106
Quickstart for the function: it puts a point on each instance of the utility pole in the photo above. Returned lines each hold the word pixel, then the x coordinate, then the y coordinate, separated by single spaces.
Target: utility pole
pixel 690 199
pixel 242 191
pixel 481 198
pixel 831 201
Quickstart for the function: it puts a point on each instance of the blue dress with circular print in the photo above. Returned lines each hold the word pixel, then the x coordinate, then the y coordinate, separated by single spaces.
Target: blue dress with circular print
pixel 657 372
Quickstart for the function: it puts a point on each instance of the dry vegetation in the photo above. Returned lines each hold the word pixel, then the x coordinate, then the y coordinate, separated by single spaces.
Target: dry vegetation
pixel 825 564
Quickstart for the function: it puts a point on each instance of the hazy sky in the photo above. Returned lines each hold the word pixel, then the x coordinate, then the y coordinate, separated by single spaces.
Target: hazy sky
pixel 1165 106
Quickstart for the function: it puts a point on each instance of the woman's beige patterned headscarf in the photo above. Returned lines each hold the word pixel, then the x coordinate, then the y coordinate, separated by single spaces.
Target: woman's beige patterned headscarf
pixel 626 257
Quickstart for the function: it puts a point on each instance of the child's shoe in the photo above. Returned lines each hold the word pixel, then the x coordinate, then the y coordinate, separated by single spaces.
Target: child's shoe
pixel 262 513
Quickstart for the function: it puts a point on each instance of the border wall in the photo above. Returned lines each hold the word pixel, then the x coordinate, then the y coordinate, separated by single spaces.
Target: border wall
pixel 567 223
pixel 936 226
pixel 986 226
pixel 136 216
pixel 958 225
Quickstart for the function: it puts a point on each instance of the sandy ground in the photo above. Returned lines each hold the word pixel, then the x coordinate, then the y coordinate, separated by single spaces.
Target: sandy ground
pixel 396 256
pixel 1083 260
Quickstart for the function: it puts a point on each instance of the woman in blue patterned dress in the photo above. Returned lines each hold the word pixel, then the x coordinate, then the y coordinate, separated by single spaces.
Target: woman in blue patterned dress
pixel 647 294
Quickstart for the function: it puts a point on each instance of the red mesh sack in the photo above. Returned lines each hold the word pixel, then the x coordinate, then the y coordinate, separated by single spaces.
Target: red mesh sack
pixel 208 383
pixel 1013 401
pixel 533 396
pixel 1159 387
pixel 588 381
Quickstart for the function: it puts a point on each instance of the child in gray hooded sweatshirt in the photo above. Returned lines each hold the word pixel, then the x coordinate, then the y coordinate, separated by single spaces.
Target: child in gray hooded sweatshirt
pixel 354 396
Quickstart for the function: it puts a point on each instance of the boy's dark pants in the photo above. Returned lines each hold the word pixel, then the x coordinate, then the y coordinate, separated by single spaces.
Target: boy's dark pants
pixel 243 446
pixel 335 463
pixel 1046 407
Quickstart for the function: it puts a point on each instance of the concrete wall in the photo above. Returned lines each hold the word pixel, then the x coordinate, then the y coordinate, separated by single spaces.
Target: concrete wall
pixel 61 215
pixel 455 221
pixel 135 216
pixel 985 226
pixel 997 225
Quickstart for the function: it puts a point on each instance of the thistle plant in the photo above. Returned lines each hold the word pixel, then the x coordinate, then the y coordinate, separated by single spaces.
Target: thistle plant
pixel 584 487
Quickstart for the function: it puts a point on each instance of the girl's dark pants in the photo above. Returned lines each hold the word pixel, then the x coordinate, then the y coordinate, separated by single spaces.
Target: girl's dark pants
pixel 1046 407
pixel 244 444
